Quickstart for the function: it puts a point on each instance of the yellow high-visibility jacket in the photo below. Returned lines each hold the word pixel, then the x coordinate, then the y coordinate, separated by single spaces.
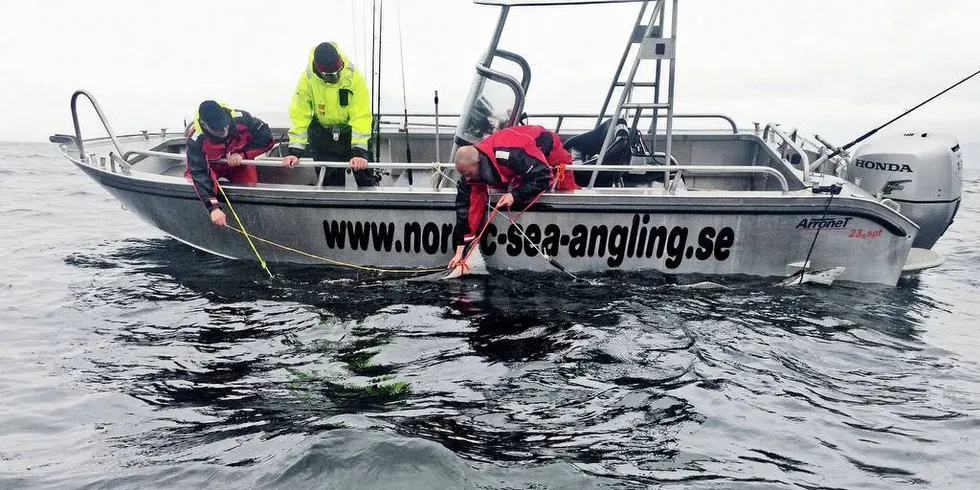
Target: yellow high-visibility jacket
pixel 315 97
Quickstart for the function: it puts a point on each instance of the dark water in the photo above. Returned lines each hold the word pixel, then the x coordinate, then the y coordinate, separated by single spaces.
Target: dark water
pixel 129 360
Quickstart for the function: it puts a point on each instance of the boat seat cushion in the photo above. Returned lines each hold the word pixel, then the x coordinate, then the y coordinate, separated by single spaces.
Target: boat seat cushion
pixel 586 146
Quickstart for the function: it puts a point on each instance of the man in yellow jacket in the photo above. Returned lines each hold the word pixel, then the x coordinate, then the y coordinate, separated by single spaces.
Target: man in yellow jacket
pixel 331 116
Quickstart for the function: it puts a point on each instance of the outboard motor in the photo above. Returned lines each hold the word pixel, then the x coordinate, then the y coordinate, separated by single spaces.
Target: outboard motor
pixel 922 172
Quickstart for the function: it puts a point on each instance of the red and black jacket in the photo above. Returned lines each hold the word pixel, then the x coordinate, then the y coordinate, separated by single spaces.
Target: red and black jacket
pixel 247 135
pixel 519 157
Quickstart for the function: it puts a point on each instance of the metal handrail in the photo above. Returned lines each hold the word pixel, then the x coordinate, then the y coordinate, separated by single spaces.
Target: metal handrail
pixel 560 117
pixel 98 110
pixel 521 62
pixel 723 169
pixel 804 159
pixel 510 82
pixel 699 115
pixel 303 162
pixel 690 169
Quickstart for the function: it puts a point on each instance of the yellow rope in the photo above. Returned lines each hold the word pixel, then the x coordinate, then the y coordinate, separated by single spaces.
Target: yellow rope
pixel 243 232
pixel 337 262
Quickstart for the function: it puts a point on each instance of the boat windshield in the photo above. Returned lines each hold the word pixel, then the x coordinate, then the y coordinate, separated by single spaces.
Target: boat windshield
pixel 492 109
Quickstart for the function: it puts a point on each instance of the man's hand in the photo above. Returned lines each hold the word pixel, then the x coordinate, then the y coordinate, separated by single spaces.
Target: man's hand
pixel 235 159
pixel 290 161
pixel 457 258
pixel 505 201
pixel 218 217
pixel 358 163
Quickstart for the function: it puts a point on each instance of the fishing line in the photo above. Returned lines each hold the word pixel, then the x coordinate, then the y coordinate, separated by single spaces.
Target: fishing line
pixel 240 225
pixel 401 55
pixel 250 236
pixel 475 244
pixel 833 190
pixel 377 142
pixel 337 262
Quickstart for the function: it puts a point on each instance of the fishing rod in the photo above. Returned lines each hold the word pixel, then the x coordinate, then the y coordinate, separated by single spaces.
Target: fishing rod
pixel 551 260
pixel 376 119
pixel 401 55
pixel 865 136
pixel 833 190
pixel 520 230
pixel 435 100
pixel 377 141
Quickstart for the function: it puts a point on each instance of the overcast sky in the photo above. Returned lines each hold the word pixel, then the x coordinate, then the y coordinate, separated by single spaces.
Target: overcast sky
pixel 834 67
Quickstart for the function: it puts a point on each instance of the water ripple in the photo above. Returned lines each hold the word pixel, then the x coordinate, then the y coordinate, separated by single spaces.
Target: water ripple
pixel 131 361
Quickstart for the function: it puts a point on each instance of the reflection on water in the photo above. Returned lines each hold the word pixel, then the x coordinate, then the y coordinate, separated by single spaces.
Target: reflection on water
pixel 511 379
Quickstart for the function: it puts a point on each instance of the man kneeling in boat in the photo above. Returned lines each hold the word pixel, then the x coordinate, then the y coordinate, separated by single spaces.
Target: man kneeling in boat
pixel 331 116
pixel 523 160
pixel 223 133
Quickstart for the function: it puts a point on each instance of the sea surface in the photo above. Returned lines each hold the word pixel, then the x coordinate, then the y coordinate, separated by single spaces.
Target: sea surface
pixel 129 360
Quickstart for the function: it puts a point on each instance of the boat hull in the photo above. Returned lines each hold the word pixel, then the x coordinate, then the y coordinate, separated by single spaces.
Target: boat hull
pixel 763 234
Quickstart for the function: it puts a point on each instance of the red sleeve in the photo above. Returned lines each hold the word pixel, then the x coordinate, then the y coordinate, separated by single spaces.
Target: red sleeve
pixel 478 209
pixel 260 136
pixel 471 203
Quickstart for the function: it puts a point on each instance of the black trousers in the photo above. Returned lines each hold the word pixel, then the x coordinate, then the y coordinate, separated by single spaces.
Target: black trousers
pixel 333 144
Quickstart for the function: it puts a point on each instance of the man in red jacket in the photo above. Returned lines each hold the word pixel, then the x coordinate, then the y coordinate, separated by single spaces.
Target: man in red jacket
pixel 223 133
pixel 523 160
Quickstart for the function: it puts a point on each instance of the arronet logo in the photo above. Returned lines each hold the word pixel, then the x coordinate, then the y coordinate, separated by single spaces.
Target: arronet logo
pixel 830 223
pixel 888 167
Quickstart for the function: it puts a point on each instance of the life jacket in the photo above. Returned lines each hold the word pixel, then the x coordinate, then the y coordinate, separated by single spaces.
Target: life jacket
pixel 537 142
pixel 239 135
pixel 346 102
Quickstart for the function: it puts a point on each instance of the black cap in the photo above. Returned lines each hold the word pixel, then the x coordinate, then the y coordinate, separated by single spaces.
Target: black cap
pixel 212 114
pixel 326 58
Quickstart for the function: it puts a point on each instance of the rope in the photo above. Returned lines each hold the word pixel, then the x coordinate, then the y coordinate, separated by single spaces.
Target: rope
pixel 476 241
pixel 437 169
pixel 475 244
pixel 247 237
pixel 337 262
pixel 560 168
pixel 806 261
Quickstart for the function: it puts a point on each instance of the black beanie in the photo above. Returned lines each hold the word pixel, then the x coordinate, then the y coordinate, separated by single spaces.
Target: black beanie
pixel 327 57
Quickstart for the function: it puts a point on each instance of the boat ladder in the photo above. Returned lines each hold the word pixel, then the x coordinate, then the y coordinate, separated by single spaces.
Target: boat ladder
pixel 647 41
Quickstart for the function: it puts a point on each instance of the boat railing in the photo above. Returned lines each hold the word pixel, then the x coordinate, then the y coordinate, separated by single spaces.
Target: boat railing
pixel 821 148
pixel 771 132
pixel 559 118
pixel 677 170
pixel 98 110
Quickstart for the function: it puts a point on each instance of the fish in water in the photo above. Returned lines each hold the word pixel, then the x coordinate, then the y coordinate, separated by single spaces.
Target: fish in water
pixel 475 264
pixel 824 277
